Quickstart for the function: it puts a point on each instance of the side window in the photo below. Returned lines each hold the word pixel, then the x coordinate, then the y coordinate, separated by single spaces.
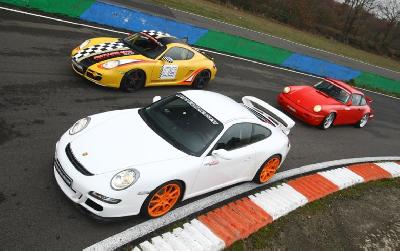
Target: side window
pixel 363 101
pixel 236 136
pixel 259 133
pixel 178 53
pixel 355 99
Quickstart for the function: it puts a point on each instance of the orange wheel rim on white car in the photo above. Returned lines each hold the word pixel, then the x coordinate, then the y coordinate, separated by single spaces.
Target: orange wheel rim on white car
pixel 164 200
pixel 269 169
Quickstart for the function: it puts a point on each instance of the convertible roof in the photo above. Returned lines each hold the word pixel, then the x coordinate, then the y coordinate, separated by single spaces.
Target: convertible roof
pixel 219 106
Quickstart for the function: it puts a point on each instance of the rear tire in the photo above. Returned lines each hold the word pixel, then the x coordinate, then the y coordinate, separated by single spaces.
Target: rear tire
pixel 133 80
pixel 328 121
pixel 268 169
pixel 201 79
pixel 363 121
pixel 162 200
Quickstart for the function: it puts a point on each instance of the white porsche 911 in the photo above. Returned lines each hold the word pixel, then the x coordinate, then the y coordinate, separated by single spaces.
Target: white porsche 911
pixel 144 161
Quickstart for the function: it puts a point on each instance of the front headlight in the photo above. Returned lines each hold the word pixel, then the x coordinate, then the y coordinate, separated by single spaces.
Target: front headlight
pixel 124 179
pixel 79 125
pixel 286 89
pixel 114 63
pixel 317 108
pixel 111 64
pixel 83 45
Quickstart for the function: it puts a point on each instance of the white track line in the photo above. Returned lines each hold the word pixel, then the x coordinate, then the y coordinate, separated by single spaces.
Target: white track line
pixel 182 212
pixel 210 51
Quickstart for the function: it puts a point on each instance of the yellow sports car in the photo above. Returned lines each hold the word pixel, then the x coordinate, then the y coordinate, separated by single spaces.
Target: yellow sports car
pixel 147 58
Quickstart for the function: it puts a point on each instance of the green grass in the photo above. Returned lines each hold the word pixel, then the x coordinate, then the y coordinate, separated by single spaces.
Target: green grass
pixel 234 16
pixel 260 239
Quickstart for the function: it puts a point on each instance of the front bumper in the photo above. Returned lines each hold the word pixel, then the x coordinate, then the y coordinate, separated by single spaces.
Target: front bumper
pixel 299 112
pixel 107 78
pixel 77 186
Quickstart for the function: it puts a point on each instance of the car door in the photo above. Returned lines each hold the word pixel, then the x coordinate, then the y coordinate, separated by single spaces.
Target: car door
pixel 230 166
pixel 173 66
pixel 356 110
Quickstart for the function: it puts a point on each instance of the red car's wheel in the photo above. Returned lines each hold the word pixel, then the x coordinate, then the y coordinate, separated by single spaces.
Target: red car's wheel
pixel 363 121
pixel 328 121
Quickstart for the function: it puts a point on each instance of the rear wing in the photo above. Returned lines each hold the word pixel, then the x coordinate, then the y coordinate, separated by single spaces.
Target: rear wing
pixel 281 120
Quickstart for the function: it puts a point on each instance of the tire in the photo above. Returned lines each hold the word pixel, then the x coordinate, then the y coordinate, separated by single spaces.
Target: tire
pixel 162 200
pixel 133 80
pixel 363 121
pixel 267 170
pixel 201 79
pixel 328 121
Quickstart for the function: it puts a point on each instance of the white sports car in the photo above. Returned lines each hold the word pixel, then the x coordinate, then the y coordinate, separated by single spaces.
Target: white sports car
pixel 144 161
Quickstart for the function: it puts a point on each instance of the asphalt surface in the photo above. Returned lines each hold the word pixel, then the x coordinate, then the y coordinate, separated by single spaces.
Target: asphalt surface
pixel 207 23
pixel 40 97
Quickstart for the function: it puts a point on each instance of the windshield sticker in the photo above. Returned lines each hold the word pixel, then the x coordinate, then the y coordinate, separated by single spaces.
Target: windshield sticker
pixel 198 108
pixel 168 71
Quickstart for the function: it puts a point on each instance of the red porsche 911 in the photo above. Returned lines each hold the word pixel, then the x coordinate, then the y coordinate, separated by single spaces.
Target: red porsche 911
pixel 329 102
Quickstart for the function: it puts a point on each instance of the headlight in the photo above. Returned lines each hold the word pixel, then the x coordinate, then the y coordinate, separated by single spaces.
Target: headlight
pixel 79 125
pixel 317 108
pixel 124 179
pixel 114 63
pixel 286 89
pixel 83 45
pixel 111 64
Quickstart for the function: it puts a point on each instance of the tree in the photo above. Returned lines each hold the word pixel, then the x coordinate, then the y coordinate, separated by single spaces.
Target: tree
pixel 389 10
pixel 357 9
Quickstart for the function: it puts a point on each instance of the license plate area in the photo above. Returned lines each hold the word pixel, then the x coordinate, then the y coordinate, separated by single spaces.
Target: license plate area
pixel 291 108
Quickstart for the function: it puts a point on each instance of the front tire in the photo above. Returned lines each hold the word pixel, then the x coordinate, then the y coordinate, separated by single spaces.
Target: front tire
pixel 201 79
pixel 363 121
pixel 162 200
pixel 267 170
pixel 133 80
pixel 328 121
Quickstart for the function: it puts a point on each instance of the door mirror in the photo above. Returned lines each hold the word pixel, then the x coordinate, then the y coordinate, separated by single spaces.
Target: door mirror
pixel 156 98
pixel 368 99
pixel 221 153
pixel 167 59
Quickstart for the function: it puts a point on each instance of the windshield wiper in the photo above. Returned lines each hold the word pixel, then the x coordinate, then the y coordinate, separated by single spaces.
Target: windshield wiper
pixel 323 93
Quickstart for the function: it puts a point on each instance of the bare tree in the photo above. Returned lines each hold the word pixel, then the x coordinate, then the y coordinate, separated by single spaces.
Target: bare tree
pixel 357 9
pixel 389 10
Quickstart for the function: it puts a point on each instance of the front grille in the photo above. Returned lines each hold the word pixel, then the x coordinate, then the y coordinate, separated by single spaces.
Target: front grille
pixel 62 173
pixel 75 162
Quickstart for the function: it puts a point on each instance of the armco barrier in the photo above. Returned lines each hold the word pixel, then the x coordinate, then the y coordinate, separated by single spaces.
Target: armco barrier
pixel 121 17
pixel 223 226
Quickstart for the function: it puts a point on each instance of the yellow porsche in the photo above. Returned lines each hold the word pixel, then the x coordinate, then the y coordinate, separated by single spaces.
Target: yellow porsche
pixel 147 58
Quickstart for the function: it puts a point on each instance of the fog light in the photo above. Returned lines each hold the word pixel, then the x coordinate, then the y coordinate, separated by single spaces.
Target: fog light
pixel 104 198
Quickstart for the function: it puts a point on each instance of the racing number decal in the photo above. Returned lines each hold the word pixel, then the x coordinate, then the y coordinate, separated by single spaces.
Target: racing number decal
pixel 168 71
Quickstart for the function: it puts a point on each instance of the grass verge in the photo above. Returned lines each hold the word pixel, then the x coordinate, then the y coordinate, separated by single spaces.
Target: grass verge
pixel 244 19
pixel 260 239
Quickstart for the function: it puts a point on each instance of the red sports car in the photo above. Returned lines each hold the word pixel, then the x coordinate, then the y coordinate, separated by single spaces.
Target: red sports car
pixel 329 102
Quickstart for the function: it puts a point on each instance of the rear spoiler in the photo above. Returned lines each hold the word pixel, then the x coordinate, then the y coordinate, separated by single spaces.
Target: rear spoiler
pixel 287 124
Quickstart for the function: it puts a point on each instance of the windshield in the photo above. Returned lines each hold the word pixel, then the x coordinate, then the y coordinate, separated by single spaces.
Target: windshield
pixel 145 45
pixel 333 91
pixel 182 123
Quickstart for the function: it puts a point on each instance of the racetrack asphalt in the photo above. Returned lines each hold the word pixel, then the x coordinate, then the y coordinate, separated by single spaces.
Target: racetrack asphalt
pixel 41 97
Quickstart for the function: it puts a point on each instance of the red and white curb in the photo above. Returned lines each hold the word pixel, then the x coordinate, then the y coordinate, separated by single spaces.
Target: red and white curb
pixel 223 226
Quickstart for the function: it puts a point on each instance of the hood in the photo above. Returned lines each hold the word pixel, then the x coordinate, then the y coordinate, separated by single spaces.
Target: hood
pixel 308 97
pixel 121 142
pixel 100 49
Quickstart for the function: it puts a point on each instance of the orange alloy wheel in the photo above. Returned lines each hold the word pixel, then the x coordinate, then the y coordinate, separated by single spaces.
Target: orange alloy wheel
pixel 269 169
pixel 164 199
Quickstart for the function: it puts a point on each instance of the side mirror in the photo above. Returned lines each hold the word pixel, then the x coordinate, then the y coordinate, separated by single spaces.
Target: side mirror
pixel 156 98
pixel 167 59
pixel 221 153
pixel 368 99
